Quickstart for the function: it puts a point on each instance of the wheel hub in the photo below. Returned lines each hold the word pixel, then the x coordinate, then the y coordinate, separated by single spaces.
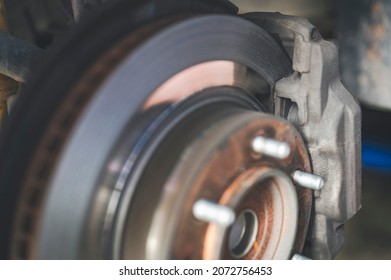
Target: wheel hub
pixel 220 166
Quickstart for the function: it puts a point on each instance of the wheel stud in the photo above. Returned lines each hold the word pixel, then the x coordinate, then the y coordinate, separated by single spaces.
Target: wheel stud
pixel 211 212
pixel 308 180
pixel 270 147
pixel 297 257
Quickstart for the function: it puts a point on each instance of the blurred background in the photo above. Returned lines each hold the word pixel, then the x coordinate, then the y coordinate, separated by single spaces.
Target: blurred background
pixel 368 234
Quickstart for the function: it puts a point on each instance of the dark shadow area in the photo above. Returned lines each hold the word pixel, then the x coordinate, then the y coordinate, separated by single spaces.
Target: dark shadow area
pixel 368 235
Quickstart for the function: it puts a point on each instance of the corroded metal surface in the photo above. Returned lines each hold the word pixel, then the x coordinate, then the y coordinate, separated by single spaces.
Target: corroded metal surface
pixel 224 175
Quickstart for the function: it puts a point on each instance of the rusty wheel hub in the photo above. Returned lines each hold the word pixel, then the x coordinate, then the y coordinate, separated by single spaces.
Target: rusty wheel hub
pixel 220 168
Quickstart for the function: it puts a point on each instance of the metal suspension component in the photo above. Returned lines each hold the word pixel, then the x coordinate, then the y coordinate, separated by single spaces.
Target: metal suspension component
pixel 8 86
pixel 19 58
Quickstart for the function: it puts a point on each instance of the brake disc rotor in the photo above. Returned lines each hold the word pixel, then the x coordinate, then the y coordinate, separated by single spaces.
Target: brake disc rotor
pixel 118 135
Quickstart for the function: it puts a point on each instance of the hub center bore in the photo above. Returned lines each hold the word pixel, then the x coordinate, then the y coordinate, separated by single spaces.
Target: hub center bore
pixel 243 233
pixel 265 228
